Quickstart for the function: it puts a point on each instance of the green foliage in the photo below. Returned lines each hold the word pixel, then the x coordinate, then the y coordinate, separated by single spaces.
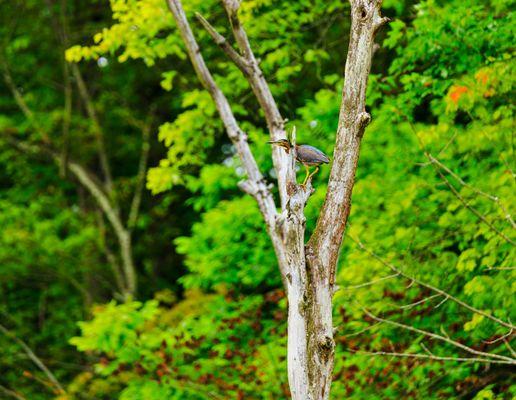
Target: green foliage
pixel 203 345
pixel 222 253
pixel 442 87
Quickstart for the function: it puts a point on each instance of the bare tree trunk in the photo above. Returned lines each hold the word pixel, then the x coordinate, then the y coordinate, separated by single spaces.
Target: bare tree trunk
pixel 308 272
pixel 322 250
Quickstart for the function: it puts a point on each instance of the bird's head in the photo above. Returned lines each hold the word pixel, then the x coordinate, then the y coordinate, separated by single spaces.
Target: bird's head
pixel 281 143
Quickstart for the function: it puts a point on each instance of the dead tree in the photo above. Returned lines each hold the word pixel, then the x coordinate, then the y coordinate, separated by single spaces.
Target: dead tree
pixel 307 270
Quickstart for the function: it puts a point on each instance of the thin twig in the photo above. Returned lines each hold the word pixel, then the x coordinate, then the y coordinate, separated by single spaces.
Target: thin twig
pixel 371 282
pixel 448 143
pixel 60 28
pixel 455 191
pixel 97 129
pixel 20 101
pixel 223 43
pixel 428 356
pixel 111 258
pixel 140 178
pixel 426 349
pixel 473 119
pixel 428 286
pixel 509 347
pixel 442 302
pixel 508 360
pixel 11 393
pixel 420 301
pixel 499 338
pixel 494 199
pixel 369 327
pixel 474 210
pixel 34 358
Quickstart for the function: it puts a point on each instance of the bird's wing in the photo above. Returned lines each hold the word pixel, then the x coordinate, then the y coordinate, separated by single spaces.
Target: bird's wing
pixel 314 150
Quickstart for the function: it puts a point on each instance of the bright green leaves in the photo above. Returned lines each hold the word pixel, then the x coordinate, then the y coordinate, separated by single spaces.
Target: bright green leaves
pixel 477 319
pixel 474 92
pixel 187 139
pixel 467 260
pixel 229 248
pixel 137 25
pixel 114 328
pixel 200 346
pixel 466 37
pixel 39 234
pixel 168 77
pixel 162 178
pixel 452 79
pixel 149 390
pixel 397 28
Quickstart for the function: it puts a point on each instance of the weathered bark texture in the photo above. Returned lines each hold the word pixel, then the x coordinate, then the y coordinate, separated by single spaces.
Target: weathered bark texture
pixel 308 272
pixel 322 250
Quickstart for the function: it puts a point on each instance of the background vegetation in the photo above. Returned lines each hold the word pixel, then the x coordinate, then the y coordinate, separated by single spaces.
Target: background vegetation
pixel 432 203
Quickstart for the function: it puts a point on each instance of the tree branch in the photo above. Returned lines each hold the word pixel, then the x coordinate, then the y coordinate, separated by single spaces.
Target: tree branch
pixel 433 288
pixel 373 282
pixel 12 393
pixel 111 258
pixel 248 64
pixel 97 129
pixel 416 303
pixel 222 42
pixel 20 101
pixel 474 210
pixel 123 236
pixel 324 245
pixel 466 204
pixel 508 360
pixel 494 199
pixel 140 178
pixel 34 358
pixel 94 187
pixel 61 31
pixel 255 183
pixel 431 357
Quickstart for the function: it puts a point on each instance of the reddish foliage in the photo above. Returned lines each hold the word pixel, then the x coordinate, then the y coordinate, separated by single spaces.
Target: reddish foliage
pixel 456 92
pixel 482 77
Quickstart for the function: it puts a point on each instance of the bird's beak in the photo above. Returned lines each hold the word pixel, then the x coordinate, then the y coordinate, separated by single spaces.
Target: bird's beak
pixel 272 142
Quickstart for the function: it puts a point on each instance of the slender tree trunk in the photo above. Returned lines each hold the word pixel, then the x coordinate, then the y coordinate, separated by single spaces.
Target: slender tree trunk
pixel 311 344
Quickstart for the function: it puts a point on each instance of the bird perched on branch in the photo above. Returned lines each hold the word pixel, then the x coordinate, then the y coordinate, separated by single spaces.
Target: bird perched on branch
pixel 307 155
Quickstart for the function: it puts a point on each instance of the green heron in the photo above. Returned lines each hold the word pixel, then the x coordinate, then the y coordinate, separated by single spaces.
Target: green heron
pixel 307 155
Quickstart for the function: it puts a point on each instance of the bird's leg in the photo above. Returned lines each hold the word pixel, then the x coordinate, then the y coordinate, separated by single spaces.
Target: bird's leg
pixel 307 175
pixel 312 174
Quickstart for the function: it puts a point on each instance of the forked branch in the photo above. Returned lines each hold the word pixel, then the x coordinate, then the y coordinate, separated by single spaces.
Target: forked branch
pixel 248 64
pixel 255 183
